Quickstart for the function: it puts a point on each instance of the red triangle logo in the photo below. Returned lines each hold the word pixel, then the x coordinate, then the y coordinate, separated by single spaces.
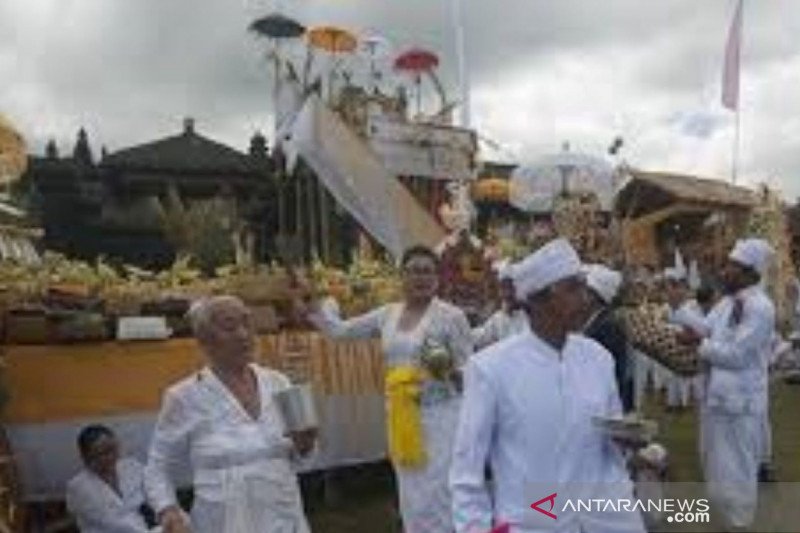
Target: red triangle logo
pixel 552 500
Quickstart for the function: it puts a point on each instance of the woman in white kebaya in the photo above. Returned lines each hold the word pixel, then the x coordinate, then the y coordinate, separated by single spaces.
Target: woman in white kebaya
pixel 223 424
pixel 407 330
pixel 107 496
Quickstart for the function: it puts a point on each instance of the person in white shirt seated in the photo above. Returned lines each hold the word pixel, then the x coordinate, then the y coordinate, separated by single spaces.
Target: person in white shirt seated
pixel 530 404
pixel 223 425
pixel 107 496
pixel 509 320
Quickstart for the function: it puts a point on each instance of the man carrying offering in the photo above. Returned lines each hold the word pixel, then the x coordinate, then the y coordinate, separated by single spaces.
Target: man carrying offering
pixel 529 410
pixel 737 350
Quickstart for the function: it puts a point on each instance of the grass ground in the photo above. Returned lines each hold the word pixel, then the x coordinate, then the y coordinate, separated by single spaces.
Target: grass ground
pixel 363 498
pixel 680 435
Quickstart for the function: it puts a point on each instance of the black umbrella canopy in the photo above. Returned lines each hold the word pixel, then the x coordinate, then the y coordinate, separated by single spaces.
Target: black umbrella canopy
pixel 277 26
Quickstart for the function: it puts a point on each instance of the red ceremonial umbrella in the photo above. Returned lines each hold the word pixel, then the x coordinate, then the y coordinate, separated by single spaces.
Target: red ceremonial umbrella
pixel 418 61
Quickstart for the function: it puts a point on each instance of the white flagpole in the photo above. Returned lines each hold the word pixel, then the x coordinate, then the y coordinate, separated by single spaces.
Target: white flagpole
pixel 736 134
pixel 738 126
pixel 461 52
pixel 276 89
pixel 731 82
pixel 460 194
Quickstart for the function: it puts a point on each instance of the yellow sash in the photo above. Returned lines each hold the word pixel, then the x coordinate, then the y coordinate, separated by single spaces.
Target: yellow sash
pixel 403 416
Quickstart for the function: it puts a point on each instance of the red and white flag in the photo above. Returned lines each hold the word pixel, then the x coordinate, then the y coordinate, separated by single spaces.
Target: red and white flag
pixel 730 75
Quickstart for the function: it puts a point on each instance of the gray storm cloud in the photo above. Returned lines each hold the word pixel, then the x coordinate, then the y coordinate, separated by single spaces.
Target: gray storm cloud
pixel 541 72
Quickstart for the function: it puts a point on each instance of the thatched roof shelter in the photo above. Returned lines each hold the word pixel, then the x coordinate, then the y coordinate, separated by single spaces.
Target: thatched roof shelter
pixel 646 192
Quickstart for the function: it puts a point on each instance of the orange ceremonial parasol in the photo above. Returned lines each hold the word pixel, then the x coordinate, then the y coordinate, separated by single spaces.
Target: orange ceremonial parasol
pixel 332 39
pixel 13 154
pixel 491 190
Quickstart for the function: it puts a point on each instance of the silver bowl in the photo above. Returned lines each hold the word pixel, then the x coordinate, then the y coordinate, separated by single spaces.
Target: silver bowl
pixel 297 407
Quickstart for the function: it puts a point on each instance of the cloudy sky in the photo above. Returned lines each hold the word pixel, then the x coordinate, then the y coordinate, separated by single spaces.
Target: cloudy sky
pixel 542 72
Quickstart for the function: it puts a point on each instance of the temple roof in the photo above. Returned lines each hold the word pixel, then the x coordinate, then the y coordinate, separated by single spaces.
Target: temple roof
pixel 186 153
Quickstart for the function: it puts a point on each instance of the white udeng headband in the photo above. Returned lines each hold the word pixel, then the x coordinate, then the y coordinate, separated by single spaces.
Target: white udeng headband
pixel 551 263
pixel 754 253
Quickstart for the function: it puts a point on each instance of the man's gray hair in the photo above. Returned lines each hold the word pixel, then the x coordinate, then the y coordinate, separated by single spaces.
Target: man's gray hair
pixel 202 311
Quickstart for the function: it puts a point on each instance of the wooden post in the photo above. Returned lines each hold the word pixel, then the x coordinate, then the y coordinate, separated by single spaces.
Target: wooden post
pixel 282 190
pixel 299 222
pixel 325 223
pixel 311 209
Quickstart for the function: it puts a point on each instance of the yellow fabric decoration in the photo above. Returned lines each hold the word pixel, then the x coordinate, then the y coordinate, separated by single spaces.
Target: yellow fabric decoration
pixel 403 416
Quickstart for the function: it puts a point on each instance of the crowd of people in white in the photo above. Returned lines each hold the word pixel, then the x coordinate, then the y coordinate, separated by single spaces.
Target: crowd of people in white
pixel 512 419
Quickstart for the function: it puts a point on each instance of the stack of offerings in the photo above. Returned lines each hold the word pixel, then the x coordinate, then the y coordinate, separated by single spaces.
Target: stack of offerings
pixel 650 333
pixel 579 217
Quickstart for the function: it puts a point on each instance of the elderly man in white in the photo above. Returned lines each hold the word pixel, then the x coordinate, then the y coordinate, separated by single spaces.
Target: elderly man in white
pixel 224 425
pixel 528 411
pixel 737 351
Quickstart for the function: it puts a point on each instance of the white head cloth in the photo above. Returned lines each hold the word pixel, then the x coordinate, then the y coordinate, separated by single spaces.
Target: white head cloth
pixel 674 274
pixel 754 253
pixel 604 281
pixel 549 264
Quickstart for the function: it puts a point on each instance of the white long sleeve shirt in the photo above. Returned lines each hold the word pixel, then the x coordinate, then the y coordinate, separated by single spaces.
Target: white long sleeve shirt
pixel 739 353
pixel 691 315
pixel 499 326
pixel 98 508
pixel 528 410
pixel 242 473
pixel 442 322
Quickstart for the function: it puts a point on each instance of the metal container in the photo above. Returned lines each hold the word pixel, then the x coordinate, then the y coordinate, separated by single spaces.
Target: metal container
pixel 297 406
